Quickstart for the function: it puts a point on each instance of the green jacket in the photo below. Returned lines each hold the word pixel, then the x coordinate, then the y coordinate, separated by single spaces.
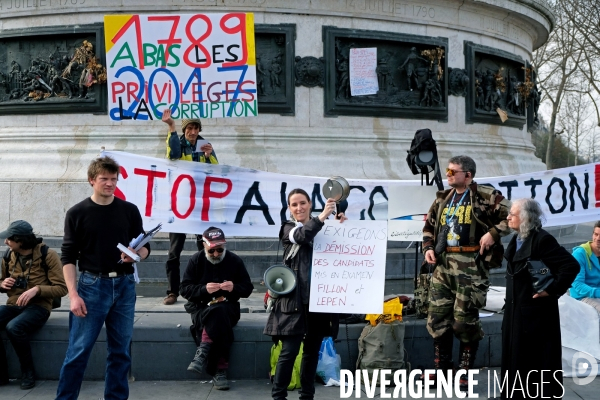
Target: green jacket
pixel 50 285
pixel 489 209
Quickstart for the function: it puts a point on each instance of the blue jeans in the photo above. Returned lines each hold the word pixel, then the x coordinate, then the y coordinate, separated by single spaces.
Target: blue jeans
pixel 109 301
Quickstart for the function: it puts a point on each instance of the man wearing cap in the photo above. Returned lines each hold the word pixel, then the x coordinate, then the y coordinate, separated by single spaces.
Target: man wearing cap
pixel 184 148
pixel 213 282
pixel 31 285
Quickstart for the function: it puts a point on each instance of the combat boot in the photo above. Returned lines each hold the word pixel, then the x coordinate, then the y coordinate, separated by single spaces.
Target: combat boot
pixel 442 349
pixel 200 360
pixel 467 352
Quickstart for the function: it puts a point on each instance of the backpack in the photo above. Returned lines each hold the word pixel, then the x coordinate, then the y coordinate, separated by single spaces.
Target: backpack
pixel 56 301
pixel 382 347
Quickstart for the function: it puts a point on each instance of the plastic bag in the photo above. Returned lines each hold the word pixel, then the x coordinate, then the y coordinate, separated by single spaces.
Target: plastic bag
pixel 329 362
pixel 392 311
pixel 275 351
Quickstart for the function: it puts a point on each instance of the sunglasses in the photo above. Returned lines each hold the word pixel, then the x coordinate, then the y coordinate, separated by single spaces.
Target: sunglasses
pixel 452 172
pixel 218 250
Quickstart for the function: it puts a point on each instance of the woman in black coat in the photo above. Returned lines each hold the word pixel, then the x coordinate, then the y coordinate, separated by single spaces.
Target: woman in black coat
pixel 531 340
pixel 290 321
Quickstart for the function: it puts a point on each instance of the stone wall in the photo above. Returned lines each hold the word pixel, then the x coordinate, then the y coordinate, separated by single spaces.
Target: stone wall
pixel 43 157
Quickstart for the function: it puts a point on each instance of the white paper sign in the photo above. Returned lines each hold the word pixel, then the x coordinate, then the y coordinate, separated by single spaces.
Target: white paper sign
pixel 348 270
pixel 406 218
pixel 363 74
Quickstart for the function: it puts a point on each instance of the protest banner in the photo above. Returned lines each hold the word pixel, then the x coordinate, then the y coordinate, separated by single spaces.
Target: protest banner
pixel 188 197
pixel 363 75
pixel 348 267
pixel 199 65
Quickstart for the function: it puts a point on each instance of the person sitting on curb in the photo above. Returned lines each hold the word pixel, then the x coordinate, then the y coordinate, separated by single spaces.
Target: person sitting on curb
pixel 213 282
pixel 31 285
pixel 183 147
pixel 586 286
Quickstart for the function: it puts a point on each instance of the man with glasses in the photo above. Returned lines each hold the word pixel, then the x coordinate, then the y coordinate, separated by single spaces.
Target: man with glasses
pixel 461 237
pixel 213 282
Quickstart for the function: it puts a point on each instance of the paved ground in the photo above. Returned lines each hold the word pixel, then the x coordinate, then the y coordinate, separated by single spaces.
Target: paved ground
pixel 246 390
pixel 249 389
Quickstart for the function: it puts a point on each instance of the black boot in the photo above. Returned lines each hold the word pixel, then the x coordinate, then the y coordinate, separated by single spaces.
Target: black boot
pixel 467 351
pixel 200 360
pixel 442 350
pixel 28 378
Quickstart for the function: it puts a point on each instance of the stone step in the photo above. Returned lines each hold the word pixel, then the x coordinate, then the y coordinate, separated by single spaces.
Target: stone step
pixel 233 243
pixel 260 253
pixel 161 337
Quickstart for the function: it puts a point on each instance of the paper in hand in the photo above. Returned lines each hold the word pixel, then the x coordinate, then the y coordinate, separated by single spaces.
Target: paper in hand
pixel 137 243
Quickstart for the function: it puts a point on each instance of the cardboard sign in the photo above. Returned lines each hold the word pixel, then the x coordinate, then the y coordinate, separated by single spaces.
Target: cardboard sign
pixel 363 75
pixel 198 65
pixel 348 269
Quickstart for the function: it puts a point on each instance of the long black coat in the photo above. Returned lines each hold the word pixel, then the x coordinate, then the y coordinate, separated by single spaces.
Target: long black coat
pixel 218 319
pixel 531 327
pixel 290 314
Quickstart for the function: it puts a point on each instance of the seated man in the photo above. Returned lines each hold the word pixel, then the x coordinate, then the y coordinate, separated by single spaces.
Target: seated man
pixel 213 282
pixel 32 276
pixel 586 286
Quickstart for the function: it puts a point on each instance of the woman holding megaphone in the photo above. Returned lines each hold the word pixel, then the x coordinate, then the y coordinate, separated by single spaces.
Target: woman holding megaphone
pixel 290 321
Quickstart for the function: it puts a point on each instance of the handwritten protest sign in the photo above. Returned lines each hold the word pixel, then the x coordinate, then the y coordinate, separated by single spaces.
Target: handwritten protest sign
pixel 406 218
pixel 199 65
pixel 363 75
pixel 348 269
pixel 189 197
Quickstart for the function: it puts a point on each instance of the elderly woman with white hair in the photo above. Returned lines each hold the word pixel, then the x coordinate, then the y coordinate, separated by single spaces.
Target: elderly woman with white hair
pixel 531 342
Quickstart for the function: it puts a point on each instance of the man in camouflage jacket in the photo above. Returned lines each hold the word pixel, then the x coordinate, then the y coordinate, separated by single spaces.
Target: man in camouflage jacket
pixel 461 237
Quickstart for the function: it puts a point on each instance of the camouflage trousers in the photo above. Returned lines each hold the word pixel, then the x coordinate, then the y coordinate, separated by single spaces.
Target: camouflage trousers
pixel 458 290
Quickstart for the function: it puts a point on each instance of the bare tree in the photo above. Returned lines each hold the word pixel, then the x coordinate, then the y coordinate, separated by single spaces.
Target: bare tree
pixel 577 117
pixel 585 17
pixel 556 62
pixel 592 146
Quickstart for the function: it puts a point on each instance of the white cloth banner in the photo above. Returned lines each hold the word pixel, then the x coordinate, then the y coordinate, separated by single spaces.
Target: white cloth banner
pixel 188 197
pixel 348 269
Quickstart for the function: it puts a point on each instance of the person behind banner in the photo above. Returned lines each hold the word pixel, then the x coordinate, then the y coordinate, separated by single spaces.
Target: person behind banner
pixel 290 321
pixel 104 294
pixel 461 237
pixel 31 275
pixel 213 282
pixel 531 339
pixel 183 147
pixel 587 284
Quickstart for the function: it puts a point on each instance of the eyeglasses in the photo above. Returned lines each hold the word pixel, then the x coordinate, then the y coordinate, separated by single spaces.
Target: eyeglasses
pixel 218 250
pixel 452 172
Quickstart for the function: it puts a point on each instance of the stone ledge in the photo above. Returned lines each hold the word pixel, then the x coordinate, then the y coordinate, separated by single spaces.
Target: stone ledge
pixel 162 347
